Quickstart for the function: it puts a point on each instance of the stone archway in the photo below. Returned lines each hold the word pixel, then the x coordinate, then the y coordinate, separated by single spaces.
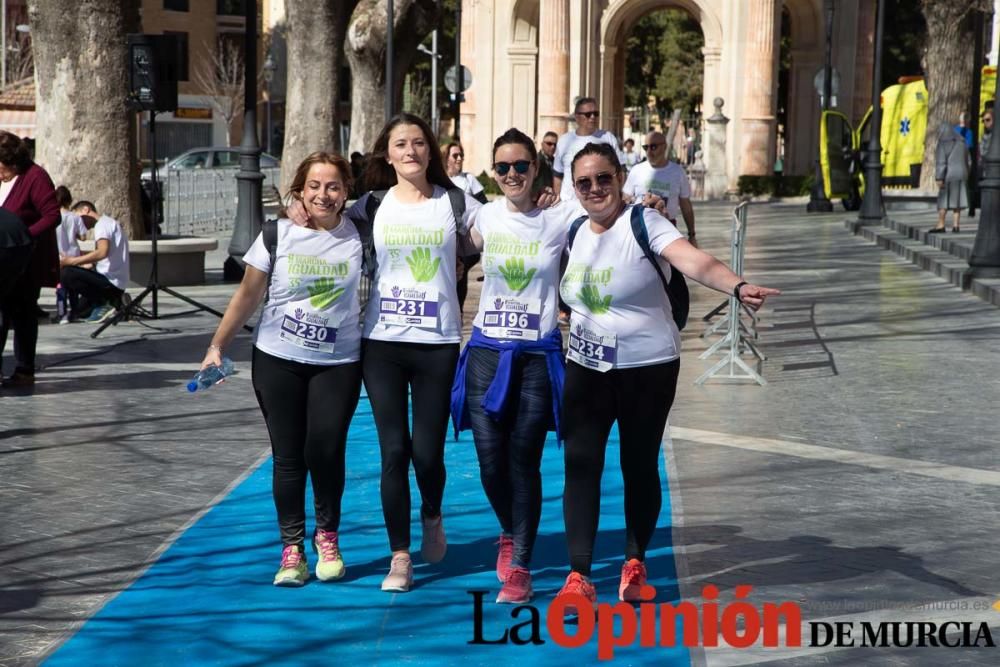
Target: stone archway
pixel 807 39
pixel 618 19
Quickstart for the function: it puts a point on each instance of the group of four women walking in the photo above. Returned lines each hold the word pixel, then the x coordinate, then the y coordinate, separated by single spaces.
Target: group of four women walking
pixel 369 294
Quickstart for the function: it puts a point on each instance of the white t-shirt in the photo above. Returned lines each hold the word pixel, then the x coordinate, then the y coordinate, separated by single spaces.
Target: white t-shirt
pixel 313 312
pixel 621 313
pixel 69 232
pixel 5 188
pixel 467 183
pixel 566 149
pixel 115 266
pixel 521 256
pixel 414 297
pixel 668 182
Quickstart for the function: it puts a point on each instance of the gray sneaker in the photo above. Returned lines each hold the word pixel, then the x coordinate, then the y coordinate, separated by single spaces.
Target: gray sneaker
pixel 434 543
pixel 400 576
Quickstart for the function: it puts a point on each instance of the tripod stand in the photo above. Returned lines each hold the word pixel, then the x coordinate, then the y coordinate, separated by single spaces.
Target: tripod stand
pixel 134 309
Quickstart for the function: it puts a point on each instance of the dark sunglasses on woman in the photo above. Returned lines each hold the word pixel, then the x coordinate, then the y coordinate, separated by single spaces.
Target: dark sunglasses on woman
pixel 520 166
pixel 603 181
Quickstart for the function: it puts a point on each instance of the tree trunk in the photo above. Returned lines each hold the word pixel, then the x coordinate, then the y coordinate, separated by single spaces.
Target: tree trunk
pixel 315 41
pixel 949 63
pixel 366 37
pixel 86 134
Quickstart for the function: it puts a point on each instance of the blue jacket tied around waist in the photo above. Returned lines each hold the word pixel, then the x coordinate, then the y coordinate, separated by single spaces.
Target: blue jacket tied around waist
pixel 495 401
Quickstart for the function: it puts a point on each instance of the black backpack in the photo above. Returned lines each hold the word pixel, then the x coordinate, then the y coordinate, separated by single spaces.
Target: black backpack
pixel 676 288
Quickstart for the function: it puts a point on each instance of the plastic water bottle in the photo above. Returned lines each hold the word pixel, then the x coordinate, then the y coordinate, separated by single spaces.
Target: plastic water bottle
pixel 207 377
pixel 62 305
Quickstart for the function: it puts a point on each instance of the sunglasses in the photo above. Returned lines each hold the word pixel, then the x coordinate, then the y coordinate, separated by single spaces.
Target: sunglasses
pixel 602 181
pixel 548 143
pixel 589 114
pixel 458 156
pixel 520 166
pixel 650 147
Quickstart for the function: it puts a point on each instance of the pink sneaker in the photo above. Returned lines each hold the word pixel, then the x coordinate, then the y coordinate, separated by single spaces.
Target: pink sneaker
pixel 517 589
pixel 580 585
pixel 633 579
pixel 504 556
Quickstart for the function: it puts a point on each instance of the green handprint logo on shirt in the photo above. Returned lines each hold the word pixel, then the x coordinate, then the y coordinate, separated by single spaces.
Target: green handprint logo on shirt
pixel 421 266
pixel 593 300
pixel 324 292
pixel 514 274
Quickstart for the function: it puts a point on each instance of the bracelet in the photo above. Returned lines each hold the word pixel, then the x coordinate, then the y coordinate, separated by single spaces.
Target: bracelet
pixel 736 290
pixel 212 346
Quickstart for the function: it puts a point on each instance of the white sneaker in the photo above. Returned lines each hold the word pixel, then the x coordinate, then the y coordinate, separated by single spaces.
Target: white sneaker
pixel 400 576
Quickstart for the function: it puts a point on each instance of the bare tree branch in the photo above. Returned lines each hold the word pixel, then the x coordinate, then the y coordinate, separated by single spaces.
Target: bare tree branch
pixel 221 77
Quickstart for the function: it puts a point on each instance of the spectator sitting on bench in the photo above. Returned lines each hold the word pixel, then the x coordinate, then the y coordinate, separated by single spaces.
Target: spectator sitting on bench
pixel 101 290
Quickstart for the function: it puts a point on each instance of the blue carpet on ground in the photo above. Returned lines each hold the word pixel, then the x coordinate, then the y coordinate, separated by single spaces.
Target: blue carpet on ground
pixel 209 600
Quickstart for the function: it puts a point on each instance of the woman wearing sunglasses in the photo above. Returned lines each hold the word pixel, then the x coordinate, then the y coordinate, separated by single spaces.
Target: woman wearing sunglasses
pixel 508 384
pixel 624 356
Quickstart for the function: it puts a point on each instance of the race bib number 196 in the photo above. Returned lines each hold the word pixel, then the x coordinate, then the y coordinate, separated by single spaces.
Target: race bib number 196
pixel 508 317
pixel 590 346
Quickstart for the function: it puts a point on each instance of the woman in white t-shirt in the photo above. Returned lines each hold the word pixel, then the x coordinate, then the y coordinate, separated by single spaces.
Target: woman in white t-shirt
pixel 508 386
pixel 306 357
pixel 412 327
pixel 624 356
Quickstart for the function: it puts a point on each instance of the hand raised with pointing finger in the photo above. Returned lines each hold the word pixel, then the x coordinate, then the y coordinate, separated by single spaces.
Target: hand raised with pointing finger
pixel 755 295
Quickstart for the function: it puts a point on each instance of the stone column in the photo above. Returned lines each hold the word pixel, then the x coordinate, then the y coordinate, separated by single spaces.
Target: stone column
pixel 760 88
pixel 553 66
pixel 716 180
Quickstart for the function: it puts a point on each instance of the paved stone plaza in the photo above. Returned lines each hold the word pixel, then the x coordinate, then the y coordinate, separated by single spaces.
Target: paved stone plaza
pixel 857 482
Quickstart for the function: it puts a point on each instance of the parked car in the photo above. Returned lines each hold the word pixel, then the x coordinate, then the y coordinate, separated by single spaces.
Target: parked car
pixel 222 157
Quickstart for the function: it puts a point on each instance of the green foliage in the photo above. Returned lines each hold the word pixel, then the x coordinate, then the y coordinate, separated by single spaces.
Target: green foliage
pixel 664 59
pixel 488 183
pixel 904 40
pixel 776 186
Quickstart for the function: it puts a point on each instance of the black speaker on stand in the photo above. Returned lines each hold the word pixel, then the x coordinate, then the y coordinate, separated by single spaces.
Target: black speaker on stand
pixel 153 64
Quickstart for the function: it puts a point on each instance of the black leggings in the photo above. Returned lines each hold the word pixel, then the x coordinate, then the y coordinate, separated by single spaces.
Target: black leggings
pixel 308 409
pixel 426 371
pixel 94 288
pixel 640 399
pixel 510 450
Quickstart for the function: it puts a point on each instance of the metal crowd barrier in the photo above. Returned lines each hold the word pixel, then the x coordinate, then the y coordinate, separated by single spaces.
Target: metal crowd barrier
pixel 739 321
pixel 203 201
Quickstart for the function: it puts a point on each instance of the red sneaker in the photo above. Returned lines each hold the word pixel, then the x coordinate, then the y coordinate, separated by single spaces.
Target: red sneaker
pixel 517 589
pixel 504 556
pixel 580 585
pixel 633 579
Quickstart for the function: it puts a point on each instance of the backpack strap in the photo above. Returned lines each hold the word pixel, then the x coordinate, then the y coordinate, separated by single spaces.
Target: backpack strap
pixel 642 238
pixel 573 229
pixel 676 288
pixel 457 198
pixel 269 230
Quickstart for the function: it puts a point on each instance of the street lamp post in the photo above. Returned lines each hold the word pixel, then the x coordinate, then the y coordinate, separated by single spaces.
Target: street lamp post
pixel 249 207
pixel 458 68
pixel 985 259
pixel 268 68
pixel 871 205
pixel 433 53
pixel 818 203
pixel 390 54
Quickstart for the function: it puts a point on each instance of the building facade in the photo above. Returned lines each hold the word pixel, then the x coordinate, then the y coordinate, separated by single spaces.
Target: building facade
pixel 530 59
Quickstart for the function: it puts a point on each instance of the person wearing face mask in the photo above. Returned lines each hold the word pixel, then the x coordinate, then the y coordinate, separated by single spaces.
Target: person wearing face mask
pixel 623 360
pixel 587 131
pixel 306 357
pixel 665 179
pixel 508 386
